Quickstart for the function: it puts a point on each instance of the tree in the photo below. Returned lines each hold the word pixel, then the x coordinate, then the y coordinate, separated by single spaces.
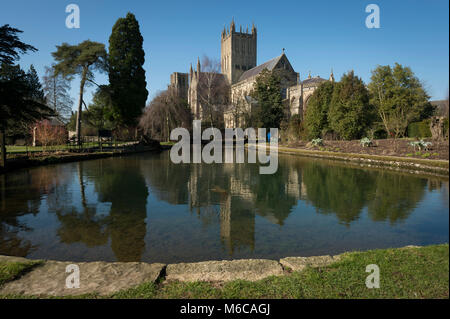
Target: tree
pixel 19 103
pixel 267 91
pixel 166 111
pixel 56 88
pixel 15 101
pixel 350 113
pixel 99 111
pixel 398 98
pixel 11 46
pixel 213 91
pixel 36 91
pixel 240 109
pixel 126 74
pixel 20 127
pixel 316 117
pixel 81 59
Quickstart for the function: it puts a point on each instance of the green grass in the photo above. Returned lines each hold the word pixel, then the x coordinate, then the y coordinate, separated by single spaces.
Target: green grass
pixel 22 149
pixel 167 143
pixel 386 158
pixel 13 270
pixel 404 273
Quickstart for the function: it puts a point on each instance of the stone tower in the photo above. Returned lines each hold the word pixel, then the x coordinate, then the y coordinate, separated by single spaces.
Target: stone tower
pixel 238 52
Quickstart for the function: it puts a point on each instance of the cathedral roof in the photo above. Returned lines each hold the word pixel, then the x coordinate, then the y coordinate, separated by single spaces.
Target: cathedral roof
pixel 314 80
pixel 269 65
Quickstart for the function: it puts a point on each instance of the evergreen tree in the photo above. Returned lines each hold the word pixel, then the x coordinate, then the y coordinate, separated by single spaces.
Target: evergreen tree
pixel 13 90
pixel 11 46
pixel 316 117
pixel 37 93
pixel 350 113
pixel 99 110
pixel 126 74
pixel 20 102
pixel 267 91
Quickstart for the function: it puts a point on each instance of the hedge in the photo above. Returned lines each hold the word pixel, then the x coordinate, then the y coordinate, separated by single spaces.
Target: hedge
pixel 419 129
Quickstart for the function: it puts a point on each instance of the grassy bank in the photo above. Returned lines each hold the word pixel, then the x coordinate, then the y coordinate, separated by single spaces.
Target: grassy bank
pixel 12 270
pixel 357 156
pixel 404 273
pixel 66 157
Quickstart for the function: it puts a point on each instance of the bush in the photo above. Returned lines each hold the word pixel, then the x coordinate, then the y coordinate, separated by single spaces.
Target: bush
pixel 419 129
pixel 366 142
pixel 421 145
pixel 317 142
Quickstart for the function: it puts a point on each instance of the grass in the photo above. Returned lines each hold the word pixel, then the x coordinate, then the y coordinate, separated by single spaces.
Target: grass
pixel 170 143
pixel 12 270
pixel 338 155
pixel 11 149
pixel 404 273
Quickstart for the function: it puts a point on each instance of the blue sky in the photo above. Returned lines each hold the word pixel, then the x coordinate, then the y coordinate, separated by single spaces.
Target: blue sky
pixel 317 35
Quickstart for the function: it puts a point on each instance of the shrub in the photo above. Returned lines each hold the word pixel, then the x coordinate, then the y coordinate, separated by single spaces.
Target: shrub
pixel 419 129
pixel 317 142
pixel 421 145
pixel 366 142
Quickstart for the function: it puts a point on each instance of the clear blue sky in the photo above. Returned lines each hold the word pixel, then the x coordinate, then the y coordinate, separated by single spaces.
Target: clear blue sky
pixel 317 35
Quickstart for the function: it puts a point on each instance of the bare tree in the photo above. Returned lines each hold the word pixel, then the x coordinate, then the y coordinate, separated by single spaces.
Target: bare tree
pixel 241 108
pixel 56 88
pixel 165 112
pixel 213 91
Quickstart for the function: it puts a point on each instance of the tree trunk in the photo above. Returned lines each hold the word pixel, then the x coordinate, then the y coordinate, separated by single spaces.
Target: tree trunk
pixel 80 104
pixel 2 148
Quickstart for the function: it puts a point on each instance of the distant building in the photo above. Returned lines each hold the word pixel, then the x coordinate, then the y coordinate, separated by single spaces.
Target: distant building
pixel 239 69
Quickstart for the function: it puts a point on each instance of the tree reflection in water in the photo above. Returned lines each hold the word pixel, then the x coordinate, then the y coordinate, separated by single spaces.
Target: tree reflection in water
pixel 104 202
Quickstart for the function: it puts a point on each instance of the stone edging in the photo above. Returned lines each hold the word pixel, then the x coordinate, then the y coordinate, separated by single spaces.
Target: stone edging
pixel 376 161
pixel 105 278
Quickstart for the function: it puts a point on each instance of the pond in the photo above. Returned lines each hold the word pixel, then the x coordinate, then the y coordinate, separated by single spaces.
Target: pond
pixel 145 208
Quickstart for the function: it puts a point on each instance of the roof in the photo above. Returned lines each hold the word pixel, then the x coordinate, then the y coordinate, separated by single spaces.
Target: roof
pixel 269 65
pixel 54 121
pixel 313 80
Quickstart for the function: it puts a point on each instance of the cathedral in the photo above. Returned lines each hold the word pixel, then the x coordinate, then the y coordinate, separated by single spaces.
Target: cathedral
pixel 238 73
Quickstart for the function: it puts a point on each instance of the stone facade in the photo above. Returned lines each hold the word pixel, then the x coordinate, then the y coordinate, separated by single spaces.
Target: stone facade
pixel 239 70
pixel 180 83
pixel 238 52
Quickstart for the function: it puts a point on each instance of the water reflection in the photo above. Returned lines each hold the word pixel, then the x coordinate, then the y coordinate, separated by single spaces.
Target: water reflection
pixel 105 208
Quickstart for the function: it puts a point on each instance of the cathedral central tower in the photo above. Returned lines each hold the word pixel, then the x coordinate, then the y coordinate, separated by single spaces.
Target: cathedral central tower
pixel 238 52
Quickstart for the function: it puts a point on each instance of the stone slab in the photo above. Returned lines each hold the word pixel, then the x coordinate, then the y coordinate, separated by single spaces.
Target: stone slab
pixel 49 279
pixel 226 270
pixel 300 263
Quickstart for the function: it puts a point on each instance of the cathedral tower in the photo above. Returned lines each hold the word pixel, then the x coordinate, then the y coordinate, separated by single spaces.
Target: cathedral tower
pixel 238 52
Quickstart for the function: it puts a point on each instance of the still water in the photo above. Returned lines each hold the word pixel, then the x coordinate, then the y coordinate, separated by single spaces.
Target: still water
pixel 145 208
